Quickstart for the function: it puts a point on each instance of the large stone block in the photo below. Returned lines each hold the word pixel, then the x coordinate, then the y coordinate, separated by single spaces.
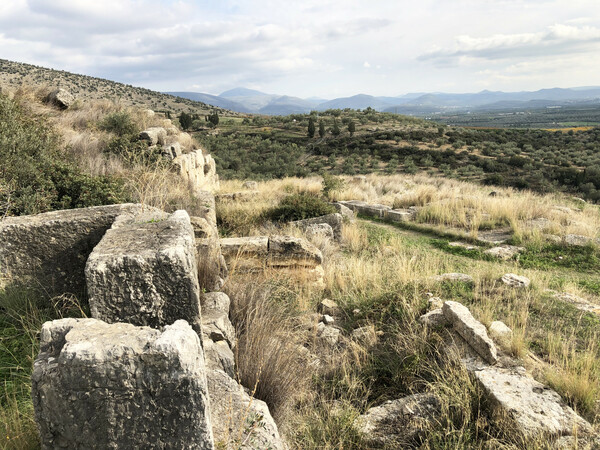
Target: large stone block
pixel 334 220
pixel 288 251
pixel 144 272
pixel 96 385
pixel 534 409
pixel 52 248
pixel 245 253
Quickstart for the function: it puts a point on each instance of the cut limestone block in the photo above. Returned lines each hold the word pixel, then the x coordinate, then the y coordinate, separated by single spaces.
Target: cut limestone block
pixel 346 212
pixel 534 408
pixel 52 248
pixel 400 215
pixel 144 272
pixel 245 253
pixel 471 330
pixel 288 251
pixel 96 385
pixel 240 421
pixel 334 220
pixel 216 325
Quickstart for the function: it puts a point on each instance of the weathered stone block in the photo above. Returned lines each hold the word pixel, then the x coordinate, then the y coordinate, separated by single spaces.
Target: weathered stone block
pixel 471 330
pixel 52 248
pixel 286 251
pixel 96 385
pixel 334 220
pixel 247 253
pixel 240 421
pixel 400 215
pixel 144 272
pixel 535 409
pixel 516 281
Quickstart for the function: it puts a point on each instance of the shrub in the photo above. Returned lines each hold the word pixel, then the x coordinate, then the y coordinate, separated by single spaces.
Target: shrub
pixel 119 123
pixel 302 205
pixel 36 176
pixel 331 184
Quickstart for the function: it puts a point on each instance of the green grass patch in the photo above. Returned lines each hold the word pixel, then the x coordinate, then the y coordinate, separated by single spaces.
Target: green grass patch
pixel 583 259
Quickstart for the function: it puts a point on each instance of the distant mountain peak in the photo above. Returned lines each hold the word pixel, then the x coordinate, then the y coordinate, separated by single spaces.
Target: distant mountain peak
pixel 241 92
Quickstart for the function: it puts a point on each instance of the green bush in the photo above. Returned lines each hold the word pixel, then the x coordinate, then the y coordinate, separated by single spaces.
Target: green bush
pixel 36 176
pixel 119 123
pixel 302 205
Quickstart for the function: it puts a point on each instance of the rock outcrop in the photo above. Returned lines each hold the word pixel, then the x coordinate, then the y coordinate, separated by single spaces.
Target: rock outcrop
pixel 60 98
pixel 53 247
pixel 144 271
pixel 96 385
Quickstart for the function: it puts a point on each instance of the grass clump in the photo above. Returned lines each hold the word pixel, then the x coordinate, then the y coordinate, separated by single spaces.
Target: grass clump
pixel 22 313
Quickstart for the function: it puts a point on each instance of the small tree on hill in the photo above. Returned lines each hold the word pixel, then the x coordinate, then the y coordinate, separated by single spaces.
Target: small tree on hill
pixel 214 118
pixel 351 128
pixel 311 128
pixel 185 120
pixel 336 129
pixel 321 128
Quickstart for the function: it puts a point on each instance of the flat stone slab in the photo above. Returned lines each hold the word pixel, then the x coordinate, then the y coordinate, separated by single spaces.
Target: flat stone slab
pixel 53 247
pixel 470 329
pixel 495 237
pixel 120 386
pixel 463 245
pixel 580 303
pixel 516 281
pixel 534 408
pixel 504 252
pixel 367 209
pixel 461 277
pixel 396 423
pixel 144 271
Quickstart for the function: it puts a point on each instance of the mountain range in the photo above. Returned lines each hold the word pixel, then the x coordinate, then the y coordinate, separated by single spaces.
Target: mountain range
pixel 252 101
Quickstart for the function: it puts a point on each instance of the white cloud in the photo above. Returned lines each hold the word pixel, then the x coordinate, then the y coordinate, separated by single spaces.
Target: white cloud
pixel 309 48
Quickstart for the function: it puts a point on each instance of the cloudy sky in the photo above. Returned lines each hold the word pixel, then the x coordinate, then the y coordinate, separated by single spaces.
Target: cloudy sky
pixel 324 48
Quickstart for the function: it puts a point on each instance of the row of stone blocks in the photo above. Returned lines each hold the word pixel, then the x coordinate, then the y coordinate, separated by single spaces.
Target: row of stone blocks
pixel 377 211
pixel 146 383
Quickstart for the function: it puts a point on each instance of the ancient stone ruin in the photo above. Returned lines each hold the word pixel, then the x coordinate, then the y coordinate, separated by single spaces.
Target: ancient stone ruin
pixel 154 366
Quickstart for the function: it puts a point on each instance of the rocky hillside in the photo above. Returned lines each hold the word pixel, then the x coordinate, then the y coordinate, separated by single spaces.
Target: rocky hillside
pixel 15 74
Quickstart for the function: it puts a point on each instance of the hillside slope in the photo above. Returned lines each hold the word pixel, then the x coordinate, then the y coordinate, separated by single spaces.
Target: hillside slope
pixel 14 75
